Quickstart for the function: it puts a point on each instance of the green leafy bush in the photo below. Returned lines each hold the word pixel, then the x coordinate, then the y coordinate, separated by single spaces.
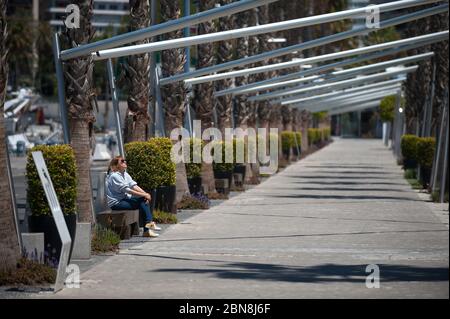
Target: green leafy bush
pixel 326 134
pixel 104 240
pixel 387 108
pixel 150 164
pixel 194 169
pixel 298 135
pixel 60 161
pixel 287 140
pixel 425 151
pixel 314 136
pixel 408 146
pixel 224 167
pixel 194 202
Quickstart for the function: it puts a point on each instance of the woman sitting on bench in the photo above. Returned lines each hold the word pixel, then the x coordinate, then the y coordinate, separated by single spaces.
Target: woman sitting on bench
pixel 123 193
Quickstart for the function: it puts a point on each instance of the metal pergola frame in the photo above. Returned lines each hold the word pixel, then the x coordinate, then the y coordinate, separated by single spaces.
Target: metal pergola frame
pixel 306 45
pixel 344 74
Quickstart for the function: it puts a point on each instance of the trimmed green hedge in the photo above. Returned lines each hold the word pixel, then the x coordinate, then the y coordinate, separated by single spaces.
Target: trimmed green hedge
pixel 387 108
pixel 287 140
pixel 425 151
pixel 408 146
pixel 224 167
pixel 60 161
pixel 194 169
pixel 150 164
pixel 299 138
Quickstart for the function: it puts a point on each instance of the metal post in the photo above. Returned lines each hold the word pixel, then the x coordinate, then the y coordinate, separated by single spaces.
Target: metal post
pixel 438 155
pixel 13 196
pixel 444 170
pixel 159 110
pixel 115 102
pixel 61 88
pixel 152 104
pixel 187 65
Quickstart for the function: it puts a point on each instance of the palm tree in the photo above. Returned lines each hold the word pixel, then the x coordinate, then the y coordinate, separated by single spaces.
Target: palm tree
pixel 417 86
pixel 9 245
pixel 79 97
pixel 137 78
pixel 440 23
pixel 264 108
pixel 224 104
pixel 174 95
pixel 204 92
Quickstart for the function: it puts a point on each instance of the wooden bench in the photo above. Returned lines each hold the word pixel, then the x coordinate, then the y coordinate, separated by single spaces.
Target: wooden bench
pixel 123 222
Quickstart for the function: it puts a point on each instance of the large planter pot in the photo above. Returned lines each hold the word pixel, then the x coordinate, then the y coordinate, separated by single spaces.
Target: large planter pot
pixel 240 169
pixel 166 199
pixel 425 176
pixel 195 185
pixel 46 224
pixel 409 164
pixel 224 175
pixel 297 152
pixel 286 154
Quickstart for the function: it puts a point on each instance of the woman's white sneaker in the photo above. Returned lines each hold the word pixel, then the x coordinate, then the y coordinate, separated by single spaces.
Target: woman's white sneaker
pixel 152 226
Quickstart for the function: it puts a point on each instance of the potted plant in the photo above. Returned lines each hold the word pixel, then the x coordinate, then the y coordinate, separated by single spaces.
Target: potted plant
pixel 150 165
pixel 224 170
pixel 287 142
pixel 387 109
pixel 239 168
pixel 408 146
pixel 426 147
pixel 60 161
pixel 194 170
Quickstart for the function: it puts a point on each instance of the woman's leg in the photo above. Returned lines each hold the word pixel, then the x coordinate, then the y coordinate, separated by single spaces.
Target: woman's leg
pixel 145 210
pixel 126 204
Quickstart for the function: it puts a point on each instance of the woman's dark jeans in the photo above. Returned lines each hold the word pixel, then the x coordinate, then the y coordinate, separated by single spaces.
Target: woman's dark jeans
pixel 136 203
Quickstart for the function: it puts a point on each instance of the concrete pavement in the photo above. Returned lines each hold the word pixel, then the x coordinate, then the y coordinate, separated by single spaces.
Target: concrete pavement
pixel 308 232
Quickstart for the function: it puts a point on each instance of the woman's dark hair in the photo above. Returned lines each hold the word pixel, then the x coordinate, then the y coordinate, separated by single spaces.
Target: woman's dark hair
pixel 114 163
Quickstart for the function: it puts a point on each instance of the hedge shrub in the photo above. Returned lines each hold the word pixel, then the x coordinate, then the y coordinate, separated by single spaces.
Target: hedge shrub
pixel 224 167
pixel 287 140
pixel 149 163
pixel 194 169
pixel 408 146
pixel 298 135
pixel 387 108
pixel 60 161
pixel 425 151
pixel 326 133
pixel 314 136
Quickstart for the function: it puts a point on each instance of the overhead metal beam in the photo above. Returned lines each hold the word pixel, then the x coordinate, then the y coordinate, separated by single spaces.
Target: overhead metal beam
pixel 252 31
pixel 343 84
pixel 162 28
pixel 345 96
pixel 306 45
pixel 345 74
pixel 313 97
pixel 364 106
pixel 352 101
pixel 395 46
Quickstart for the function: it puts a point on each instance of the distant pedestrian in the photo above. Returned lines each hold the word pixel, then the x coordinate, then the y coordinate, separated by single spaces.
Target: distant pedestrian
pixel 123 193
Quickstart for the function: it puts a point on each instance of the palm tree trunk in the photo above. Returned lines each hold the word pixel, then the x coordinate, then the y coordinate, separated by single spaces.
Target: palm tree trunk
pixel 137 77
pixel 224 104
pixel 174 95
pixel 204 92
pixel 79 96
pixel 9 244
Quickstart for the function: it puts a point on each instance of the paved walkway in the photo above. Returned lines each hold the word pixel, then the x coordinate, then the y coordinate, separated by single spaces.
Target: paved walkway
pixel 308 232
